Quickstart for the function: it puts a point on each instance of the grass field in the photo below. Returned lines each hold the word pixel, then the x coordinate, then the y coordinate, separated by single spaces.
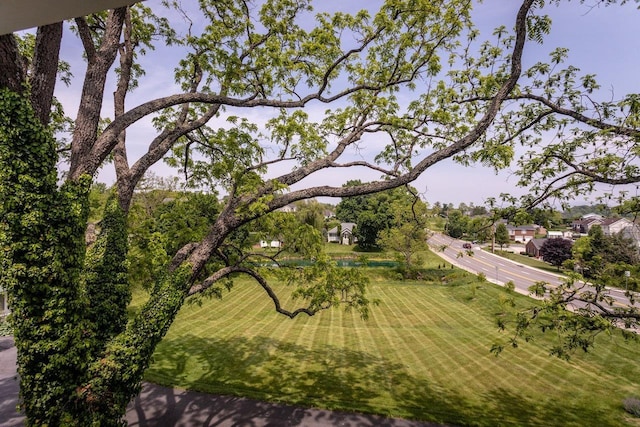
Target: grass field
pixel 527 260
pixel 423 354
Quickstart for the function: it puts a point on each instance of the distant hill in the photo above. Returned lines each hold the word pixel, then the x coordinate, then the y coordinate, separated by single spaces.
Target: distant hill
pixel 581 210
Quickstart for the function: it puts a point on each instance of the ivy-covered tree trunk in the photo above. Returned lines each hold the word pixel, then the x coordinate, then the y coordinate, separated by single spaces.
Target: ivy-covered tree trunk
pixel 42 241
pixel 77 362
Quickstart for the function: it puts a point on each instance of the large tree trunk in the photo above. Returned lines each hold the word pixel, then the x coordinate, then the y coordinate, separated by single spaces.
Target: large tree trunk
pixel 12 74
pixel 43 229
pixel 44 70
pixel 100 61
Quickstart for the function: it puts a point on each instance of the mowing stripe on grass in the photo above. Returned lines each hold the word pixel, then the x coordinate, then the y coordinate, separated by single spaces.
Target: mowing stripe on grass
pixel 424 354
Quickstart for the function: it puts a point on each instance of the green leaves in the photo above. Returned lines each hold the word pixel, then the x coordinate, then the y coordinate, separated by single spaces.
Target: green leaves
pixel 42 245
pixel 323 285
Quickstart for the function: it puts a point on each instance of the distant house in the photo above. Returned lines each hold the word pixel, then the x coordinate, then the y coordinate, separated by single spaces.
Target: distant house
pixel 540 230
pixel 271 243
pixel 287 209
pixel 342 234
pixel 521 233
pixel 611 226
pixel 554 234
pixel 632 232
pixel 583 225
pixel 328 213
pixel 533 247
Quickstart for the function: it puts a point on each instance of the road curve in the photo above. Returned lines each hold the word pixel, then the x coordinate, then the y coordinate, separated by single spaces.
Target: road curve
pixel 500 270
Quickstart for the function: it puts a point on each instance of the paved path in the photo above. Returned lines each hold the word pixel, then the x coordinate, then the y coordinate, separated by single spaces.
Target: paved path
pixel 162 406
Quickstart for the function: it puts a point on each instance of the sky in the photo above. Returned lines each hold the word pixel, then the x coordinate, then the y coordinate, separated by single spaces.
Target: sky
pixel 602 40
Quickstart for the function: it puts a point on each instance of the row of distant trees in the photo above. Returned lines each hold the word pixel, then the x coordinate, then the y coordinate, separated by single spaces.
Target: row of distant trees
pixel 163 219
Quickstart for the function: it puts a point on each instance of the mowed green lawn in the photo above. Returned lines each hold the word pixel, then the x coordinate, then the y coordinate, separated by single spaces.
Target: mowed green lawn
pixel 423 354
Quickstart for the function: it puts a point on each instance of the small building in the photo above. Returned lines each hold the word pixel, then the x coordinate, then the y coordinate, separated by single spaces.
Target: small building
pixel 533 247
pixel 551 234
pixel 342 234
pixel 271 243
pixel 540 230
pixel 288 209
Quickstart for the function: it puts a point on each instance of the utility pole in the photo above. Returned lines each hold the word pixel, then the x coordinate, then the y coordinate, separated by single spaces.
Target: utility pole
pixel 493 238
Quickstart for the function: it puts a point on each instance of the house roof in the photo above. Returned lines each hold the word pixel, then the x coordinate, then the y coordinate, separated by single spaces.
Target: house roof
pixel 537 243
pixel 587 221
pixel 609 221
pixel 592 215
pixel 16 15
pixel 347 227
pixel 522 227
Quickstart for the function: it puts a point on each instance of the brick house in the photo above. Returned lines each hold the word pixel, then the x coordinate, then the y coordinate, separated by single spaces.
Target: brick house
pixel 533 247
pixel 521 233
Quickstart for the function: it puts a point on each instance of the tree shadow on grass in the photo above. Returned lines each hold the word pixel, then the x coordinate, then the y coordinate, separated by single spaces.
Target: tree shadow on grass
pixel 334 378
pixel 270 370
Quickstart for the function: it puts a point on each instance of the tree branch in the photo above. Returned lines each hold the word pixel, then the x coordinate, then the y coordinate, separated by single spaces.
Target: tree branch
pixel 207 283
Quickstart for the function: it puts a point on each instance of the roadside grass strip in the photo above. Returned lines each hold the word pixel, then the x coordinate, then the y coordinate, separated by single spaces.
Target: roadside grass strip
pixel 423 354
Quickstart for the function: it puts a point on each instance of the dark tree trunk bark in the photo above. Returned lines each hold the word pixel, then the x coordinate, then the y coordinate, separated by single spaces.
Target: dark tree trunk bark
pixel 12 75
pixel 44 69
pixel 100 61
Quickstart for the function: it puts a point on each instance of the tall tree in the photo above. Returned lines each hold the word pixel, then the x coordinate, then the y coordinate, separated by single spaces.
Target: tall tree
pixel 502 235
pixel 79 361
pixel 457 224
pixel 350 208
pixel 556 251
pixel 408 235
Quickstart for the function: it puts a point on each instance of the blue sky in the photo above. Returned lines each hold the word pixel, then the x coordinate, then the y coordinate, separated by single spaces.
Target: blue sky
pixel 602 40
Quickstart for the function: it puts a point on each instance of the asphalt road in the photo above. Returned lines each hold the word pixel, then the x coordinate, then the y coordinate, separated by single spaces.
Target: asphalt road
pixel 501 270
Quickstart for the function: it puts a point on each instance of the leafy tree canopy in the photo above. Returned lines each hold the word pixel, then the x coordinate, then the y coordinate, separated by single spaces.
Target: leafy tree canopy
pixel 411 83
pixel 502 235
pixel 556 251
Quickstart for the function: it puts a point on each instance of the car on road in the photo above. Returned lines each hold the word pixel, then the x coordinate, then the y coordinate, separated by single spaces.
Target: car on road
pixel 466 245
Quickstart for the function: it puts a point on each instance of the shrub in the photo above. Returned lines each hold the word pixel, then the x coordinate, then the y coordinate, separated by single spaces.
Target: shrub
pixel 5 328
pixel 632 405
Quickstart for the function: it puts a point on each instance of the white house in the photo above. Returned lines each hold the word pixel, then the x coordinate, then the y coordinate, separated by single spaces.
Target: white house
pixel 342 234
pixel 555 234
pixel 287 209
pixel 611 226
pixel 270 244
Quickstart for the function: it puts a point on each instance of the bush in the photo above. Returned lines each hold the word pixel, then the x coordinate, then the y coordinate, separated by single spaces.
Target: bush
pixel 5 328
pixel 632 405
